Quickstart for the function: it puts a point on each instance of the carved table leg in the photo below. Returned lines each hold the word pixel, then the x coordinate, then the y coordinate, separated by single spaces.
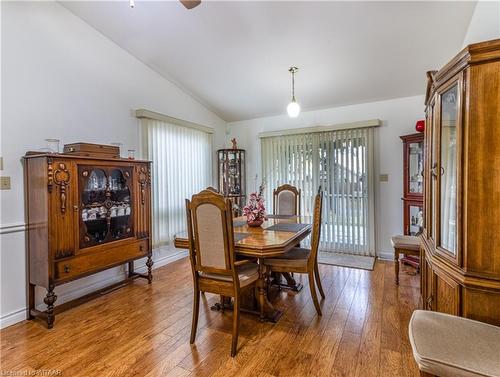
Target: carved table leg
pixel 266 309
pixel 290 281
pixel 261 285
pixel 149 263
pixel 49 300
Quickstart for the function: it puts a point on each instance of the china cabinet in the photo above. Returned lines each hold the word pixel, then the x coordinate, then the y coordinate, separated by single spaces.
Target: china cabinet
pixel 85 214
pixel 232 176
pixel 413 189
pixel 413 183
pixel 460 242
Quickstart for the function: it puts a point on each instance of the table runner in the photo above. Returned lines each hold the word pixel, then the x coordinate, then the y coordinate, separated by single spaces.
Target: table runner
pixel 288 227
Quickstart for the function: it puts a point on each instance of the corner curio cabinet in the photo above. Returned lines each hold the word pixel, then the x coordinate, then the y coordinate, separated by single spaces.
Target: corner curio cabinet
pixel 413 183
pixel 232 176
pixel 460 242
pixel 85 214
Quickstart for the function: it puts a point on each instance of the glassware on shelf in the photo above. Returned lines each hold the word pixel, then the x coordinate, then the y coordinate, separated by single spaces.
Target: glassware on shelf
pixel 53 145
pixel 131 154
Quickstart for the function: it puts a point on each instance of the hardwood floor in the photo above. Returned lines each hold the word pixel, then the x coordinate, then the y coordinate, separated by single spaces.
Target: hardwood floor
pixel 142 330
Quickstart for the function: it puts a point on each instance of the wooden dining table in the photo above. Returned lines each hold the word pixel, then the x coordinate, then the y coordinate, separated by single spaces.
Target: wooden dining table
pixel 274 237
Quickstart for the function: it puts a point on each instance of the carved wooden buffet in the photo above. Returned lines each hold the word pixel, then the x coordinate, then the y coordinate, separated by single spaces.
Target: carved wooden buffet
pixel 460 243
pixel 84 215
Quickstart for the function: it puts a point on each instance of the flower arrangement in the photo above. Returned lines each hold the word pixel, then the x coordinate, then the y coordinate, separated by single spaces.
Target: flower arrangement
pixel 255 211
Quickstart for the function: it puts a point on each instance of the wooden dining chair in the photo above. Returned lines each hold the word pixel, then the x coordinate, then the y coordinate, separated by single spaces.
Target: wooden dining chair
pixel 286 200
pixel 304 261
pixel 213 262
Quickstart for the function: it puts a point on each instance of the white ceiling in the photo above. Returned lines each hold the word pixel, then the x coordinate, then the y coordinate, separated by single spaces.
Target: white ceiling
pixel 234 56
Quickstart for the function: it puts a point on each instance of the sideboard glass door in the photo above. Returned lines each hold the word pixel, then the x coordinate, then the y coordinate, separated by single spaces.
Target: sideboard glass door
pixel 106 204
pixel 448 169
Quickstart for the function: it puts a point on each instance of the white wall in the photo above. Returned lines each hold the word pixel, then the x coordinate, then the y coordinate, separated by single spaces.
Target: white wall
pixel 398 118
pixel 484 24
pixel 62 79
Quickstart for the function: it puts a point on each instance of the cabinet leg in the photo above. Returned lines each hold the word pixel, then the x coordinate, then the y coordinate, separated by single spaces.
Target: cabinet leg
pixel 31 300
pixel 49 300
pixel 149 263
pixel 130 269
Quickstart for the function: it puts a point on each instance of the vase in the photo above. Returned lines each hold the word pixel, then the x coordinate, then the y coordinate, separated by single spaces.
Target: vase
pixel 255 223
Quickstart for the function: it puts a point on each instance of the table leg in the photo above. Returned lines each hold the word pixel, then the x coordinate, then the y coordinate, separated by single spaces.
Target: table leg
pixel 290 281
pixel 266 309
pixel 261 284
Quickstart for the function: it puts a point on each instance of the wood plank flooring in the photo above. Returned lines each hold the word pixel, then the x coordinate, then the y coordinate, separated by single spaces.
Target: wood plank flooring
pixel 142 330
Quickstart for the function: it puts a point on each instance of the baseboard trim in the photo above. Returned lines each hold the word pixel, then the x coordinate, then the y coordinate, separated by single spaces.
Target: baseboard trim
pixel 21 314
pixel 386 255
pixel 13 318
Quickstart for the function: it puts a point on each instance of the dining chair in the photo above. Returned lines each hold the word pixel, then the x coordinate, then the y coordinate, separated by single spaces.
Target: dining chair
pixel 304 261
pixel 286 200
pixel 211 251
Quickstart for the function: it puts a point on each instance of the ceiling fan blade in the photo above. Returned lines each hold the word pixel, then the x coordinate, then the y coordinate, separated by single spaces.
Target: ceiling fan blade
pixel 190 4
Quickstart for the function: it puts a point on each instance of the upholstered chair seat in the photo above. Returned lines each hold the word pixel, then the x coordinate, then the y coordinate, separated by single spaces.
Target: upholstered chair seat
pixel 405 242
pixel 445 345
pixel 247 274
pixel 297 257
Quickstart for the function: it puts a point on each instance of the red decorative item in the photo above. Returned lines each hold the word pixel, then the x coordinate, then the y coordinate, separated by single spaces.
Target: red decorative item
pixel 420 126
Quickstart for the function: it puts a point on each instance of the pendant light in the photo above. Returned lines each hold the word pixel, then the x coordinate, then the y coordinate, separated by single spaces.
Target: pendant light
pixel 293 108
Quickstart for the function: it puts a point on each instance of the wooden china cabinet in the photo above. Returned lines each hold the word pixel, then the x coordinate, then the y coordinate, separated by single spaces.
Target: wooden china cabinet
pixel 232 176
pixel 85 214
pixel 460 243
pixel 413 183
pixel 413 189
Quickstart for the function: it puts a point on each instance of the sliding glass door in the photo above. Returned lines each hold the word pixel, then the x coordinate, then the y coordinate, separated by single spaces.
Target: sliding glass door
pixel 341 163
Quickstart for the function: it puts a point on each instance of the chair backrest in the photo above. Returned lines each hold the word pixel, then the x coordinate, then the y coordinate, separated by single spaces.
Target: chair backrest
pixel 210 231
pixel 286 200
pixel 316 228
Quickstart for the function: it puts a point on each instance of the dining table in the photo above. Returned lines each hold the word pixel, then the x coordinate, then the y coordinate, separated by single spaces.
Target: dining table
pixel 277 235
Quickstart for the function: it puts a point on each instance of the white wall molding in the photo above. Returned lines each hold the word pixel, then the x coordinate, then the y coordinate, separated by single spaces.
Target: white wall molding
pixel 386 255
pixel 12 228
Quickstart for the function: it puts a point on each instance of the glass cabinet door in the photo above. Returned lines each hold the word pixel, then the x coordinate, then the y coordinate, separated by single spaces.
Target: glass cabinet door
pixel 432 181
pixel 448 169
pixel 106 206
pixel 415 220
pixel 415 168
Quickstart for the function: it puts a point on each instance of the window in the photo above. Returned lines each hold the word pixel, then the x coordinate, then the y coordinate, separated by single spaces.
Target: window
pixel 341 162
pixel 182 166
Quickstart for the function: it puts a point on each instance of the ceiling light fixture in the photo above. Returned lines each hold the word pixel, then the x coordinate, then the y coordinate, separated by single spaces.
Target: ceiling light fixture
pixel 293 108
pixel 132 3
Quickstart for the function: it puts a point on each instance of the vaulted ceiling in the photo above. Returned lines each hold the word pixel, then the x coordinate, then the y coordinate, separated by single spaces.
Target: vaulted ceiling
pixel 234 56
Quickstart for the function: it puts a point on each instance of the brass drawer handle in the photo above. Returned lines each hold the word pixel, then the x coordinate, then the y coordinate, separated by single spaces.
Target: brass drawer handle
pixel 141 248
pixel 67 268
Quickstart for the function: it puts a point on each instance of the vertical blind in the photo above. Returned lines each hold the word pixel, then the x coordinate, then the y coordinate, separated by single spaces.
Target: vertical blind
pixel 342 163
pixel 182 166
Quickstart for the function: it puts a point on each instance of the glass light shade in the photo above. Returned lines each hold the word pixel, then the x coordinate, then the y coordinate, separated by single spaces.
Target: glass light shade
pixel 293 109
